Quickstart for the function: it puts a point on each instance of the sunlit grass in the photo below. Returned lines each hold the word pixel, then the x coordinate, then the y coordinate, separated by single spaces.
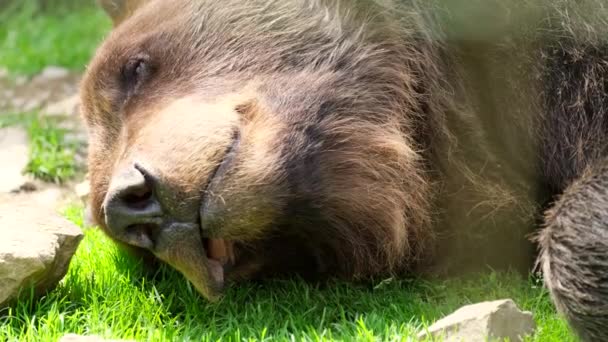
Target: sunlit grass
pixel 107 293
pixel 52 156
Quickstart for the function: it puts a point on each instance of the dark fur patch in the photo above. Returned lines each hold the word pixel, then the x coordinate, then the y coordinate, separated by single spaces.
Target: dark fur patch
pixel 575 126
pixel 575 254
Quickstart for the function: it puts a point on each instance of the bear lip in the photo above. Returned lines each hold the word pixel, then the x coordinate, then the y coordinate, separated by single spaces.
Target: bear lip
pixel 214 179
pixel 219 252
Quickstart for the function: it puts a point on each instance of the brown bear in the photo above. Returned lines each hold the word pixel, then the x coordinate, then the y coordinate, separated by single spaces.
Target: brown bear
pixel 330 138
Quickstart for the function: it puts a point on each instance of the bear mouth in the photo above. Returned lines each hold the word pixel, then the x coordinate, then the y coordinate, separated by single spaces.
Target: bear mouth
pixel 219 251
pixel 220 257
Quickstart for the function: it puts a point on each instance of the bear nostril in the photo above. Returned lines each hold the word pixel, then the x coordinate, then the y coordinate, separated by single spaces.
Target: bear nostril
pixel 134 192
pixel 132 211
pixel 138 199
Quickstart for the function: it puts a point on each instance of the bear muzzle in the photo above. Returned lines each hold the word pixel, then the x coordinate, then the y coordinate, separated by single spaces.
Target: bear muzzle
pixel 134 214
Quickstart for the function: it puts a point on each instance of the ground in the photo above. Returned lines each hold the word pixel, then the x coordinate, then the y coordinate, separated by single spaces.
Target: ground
pixel 106 294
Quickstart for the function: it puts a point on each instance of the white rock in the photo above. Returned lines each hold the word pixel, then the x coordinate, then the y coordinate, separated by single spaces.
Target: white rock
pixel 14 150
pixel 20 80
pixel 36 246
pixel 52 73
pixel 31 104
pixel 51 197
pixel 67 106
pixel 482 322
pixel 18 102
pixel 82 190
pixel 44 195
pixel 81 338
pixel 3 72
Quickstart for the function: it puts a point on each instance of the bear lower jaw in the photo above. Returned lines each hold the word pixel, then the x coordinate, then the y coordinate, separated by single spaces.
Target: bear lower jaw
pixel 182 246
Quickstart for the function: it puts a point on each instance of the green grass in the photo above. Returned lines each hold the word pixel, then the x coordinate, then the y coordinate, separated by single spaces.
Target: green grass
pixel 37 33
pixel 106 293
pixel 12 119
pixel 32 37
pixel 52 156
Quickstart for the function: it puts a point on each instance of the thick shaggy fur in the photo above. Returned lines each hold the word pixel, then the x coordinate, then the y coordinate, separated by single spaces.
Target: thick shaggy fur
pixel 574 258
pixel 364 137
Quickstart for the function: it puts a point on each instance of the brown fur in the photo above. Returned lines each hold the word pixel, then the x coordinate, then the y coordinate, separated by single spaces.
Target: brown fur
pixel 350 138
pixel 395 191
pixel 574 258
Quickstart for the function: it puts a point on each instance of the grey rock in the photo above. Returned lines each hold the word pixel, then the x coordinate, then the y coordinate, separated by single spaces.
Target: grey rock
pixel 14 150
pixel 31 104
pixel 485 321
pixel 20 80
pixel 43 195
pixel 54 89
pixel 52 73
pixel 82 190
pixel 18 102
pixel 36 246
pixel 67 106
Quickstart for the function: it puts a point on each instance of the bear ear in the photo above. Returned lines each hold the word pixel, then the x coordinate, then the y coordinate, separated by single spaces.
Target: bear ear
pixel 119 10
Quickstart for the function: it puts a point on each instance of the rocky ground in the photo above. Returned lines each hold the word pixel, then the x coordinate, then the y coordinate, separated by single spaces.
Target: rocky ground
pixel 36 243
pixel 53 93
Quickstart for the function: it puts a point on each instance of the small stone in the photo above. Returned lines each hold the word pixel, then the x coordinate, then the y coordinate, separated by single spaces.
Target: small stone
pixel 42 194
pixel 14 150
pixel 482 322
pixel 67 106
pixel 81 338
pixel 52 73
pixel 36 246
pixel 29 185
pixel 20 80
pixel 51 197
pixel 31 104
pixel 82 190
pixel 3 72
pixel 18 102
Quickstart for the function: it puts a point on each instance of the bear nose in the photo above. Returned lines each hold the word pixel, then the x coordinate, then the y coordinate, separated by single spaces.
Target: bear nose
pixel 132 212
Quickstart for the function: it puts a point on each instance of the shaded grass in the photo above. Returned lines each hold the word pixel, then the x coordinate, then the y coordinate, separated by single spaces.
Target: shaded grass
pixel 107 293
pixel 52 157
pixel 12 119
pixel 60 33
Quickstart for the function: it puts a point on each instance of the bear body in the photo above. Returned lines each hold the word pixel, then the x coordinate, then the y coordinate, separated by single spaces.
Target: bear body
pixel 236 140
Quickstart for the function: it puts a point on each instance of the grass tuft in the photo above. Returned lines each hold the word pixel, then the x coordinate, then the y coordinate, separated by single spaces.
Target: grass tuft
pixel 52 156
